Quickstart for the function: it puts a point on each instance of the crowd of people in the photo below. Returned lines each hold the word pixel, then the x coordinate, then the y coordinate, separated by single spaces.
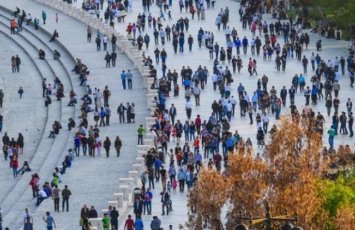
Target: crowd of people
pixel 12 150
pixel 208 138
pixel 185 140
pixel 86 141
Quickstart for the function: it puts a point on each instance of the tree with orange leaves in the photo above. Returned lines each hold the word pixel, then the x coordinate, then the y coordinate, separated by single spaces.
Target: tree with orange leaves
pixel 296 166
pixel 207 199
pixel 247 186
pixel 345 218
pixel 289 179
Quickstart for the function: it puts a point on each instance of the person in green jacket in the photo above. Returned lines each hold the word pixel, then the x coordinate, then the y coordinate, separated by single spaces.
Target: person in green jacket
pixel 140 132
pixel 44 16
pixel 36 23
pixel 55 180
pixel 106 222
pixel 331 133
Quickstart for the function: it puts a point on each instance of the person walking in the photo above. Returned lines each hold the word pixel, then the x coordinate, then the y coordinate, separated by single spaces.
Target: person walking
pixel 49 220
pixel 172 113
pixel 18 63
pixel 121 112
pixel 108 60
pixel 14 165
pixel 106 222
pixel 140 132
pixel 66 193
pixel 350 123
pixel 331 133
pixel 2 95
pixel 196 92
pixel 114 218
pixel 107 146
pixel 138 224
pixel 1 122
pixel 44 16
pixel 304 64
pixel 98 43
pixel 129 77
pixel 165 202
pixel 155 224
pixel 307 95
pixel 27 221
pixel 13 64
pixel 118 145
pixel 104 42
pixel 129 223
pixel 190 41
pixel 123 78
pixel 84 215
pixel 88 34
pixel 102 115
pixel 113 58
pixel 188 109
pixel 20 91
pixel 55 197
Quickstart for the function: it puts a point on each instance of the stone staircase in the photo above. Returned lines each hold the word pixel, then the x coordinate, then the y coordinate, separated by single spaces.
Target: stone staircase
pixel 49 151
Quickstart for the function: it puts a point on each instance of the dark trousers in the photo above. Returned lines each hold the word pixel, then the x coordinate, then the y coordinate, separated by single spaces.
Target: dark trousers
pixel 251 118
pixel 188 113
pixel 118 151
pixel 140 139
pixel 121 117
pixel 151 182
pixel 39 200
pixel 107 150
pixel 181 185
pixel 34 191
pixel 165 206
pixel 307 99
pixel 351 130
pixel 102 121
pixel 65 202
pixel 56 204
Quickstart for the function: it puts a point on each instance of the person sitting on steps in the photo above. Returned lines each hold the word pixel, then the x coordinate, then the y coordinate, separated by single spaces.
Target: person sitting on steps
pixel 41 54
pixel 56 55
pixel 54 36
pixel 56 127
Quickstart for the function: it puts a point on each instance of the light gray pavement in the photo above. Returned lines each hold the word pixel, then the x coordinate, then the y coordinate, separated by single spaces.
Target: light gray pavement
pixel 98 192
pixel 92 181
pixel 49 151
pixel 331 49
pixel 27 115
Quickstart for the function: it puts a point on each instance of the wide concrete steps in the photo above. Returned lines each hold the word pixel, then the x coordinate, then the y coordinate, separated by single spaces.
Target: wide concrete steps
pixel 50 151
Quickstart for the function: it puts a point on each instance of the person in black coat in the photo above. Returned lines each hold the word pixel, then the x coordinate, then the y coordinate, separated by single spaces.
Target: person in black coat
pixel 113 58
pixel 54 36
pixel 93 212
pixel 114 218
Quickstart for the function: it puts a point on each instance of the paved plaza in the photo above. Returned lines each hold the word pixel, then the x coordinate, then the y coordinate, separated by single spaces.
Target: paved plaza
pixel 93 181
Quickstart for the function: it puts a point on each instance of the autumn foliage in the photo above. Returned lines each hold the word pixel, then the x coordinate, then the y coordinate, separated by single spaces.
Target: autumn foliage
pixel 289 178
pixel 208 196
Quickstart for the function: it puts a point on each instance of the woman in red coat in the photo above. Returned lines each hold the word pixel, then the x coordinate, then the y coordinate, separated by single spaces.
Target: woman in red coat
pixel 14 165
pixel 34 183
